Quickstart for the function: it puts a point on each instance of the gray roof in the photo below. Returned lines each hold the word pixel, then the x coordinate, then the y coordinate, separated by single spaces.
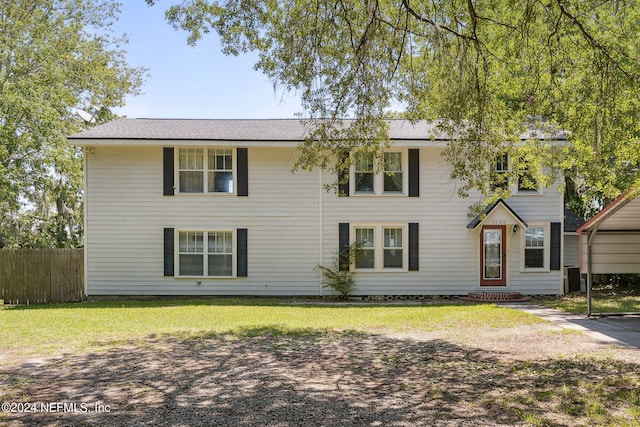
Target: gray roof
pixel 250 130
pixel 571 220
pixel 235 130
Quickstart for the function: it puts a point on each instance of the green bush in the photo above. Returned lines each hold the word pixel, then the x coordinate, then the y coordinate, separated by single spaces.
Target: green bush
pixel 341 279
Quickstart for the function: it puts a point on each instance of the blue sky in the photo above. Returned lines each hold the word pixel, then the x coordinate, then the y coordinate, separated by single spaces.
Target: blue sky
pixel 188 82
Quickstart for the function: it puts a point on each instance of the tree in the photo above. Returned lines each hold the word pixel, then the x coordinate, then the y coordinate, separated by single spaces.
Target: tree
pixel 58 58
pixel 489 71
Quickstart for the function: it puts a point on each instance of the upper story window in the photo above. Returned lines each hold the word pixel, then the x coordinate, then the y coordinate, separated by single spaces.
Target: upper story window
pixel 500 172
pixel 377 176
pixel 393 170
pixel 364 173
pixel 527 181
pixel 205 170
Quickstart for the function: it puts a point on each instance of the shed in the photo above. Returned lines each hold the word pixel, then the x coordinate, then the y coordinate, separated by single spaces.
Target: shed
pixel 610 241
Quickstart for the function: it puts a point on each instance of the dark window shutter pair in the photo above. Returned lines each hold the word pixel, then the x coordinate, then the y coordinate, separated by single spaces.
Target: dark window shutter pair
pixel 555 261
pixel 414 259
pixel 241 252
pixel 242 162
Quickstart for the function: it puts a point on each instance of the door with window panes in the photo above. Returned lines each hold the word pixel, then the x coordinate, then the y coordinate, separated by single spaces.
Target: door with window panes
pixel 493 256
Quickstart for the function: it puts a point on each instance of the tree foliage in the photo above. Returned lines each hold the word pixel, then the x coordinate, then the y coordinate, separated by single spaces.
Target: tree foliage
pixel 57 58
pixel 489 70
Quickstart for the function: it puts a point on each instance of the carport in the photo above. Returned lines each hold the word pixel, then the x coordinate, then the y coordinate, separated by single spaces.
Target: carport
pixel 610 241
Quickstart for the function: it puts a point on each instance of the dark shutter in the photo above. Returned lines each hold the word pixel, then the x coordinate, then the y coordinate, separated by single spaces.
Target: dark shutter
pixel 168 252
pixel 167 172
pixel 414 260
pixel 555 263
pixel 241 241
pixel 343 245
pixel 414 172
pixel 243 171
pixel 343 177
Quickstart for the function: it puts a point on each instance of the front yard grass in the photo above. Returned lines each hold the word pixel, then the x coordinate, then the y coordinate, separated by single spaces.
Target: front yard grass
pixel 69 327
pixel 600 303
pixel 270 361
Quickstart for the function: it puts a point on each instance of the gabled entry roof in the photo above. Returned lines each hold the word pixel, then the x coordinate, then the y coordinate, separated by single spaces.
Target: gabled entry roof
pixel 497 210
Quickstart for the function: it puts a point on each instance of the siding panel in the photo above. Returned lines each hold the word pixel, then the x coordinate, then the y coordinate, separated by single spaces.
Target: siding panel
pixel 292 226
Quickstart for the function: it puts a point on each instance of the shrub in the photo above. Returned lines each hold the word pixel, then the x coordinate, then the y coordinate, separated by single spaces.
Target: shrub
pixel 341 279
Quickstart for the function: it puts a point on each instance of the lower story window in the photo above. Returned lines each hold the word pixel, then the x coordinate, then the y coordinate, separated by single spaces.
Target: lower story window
pixel 380 247
pixel 365 241
pixel 534 247
pixel 393 248
pixel 205 253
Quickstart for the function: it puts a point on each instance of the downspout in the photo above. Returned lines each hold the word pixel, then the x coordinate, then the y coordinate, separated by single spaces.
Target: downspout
pixel 320 225
pixel 85 215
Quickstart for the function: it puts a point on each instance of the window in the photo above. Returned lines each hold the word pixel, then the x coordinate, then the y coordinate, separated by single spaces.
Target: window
pixel 191 254
pixel 216 171
pixel 500 172
pixel 220 261
pixel 393 248
pixel 191 170
pixel 220 170
pixel 213 259
pixel 392 172
pixel 364 173
pixel 377 176
pixel 527 181
pixel 381 247
pixel 365 240
pixel 535 247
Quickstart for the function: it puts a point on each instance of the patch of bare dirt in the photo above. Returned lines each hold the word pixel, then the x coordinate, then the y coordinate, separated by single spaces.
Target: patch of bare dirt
pixel 487 377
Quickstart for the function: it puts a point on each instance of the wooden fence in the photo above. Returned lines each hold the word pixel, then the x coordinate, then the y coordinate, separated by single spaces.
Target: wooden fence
pixel 40 276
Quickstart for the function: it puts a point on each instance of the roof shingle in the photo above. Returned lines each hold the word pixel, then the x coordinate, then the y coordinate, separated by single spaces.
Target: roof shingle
pixel 234 130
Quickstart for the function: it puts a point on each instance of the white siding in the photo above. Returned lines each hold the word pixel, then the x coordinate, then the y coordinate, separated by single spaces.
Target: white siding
pixel 292 225
pixel 449 252
pixel 127 213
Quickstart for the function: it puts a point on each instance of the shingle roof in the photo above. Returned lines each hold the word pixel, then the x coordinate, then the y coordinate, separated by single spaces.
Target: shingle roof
pixel 235 130
pixel 571 220
pixel 250 130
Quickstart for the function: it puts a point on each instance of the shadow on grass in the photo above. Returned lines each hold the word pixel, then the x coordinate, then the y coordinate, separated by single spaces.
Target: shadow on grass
pixel 277 376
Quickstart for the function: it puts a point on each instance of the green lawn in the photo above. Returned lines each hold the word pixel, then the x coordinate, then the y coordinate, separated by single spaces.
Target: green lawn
pixel 81 325
pixel 600 303
pixel 294 348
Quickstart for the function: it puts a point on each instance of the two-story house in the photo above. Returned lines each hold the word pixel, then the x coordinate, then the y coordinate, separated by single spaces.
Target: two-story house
pixel 211 207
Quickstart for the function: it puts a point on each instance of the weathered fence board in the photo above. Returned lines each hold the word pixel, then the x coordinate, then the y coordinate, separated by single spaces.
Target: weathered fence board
pixel 39 276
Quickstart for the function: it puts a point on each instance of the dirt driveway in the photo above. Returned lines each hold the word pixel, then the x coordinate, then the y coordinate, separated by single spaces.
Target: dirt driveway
pixel 518 376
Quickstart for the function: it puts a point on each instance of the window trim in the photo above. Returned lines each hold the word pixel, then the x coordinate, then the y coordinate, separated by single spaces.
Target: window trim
pixel 538 191
pixel 378 175
pixel 378 247
pixel 497 172
pixel 206 170
pixel 547 247
pixel 205 253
